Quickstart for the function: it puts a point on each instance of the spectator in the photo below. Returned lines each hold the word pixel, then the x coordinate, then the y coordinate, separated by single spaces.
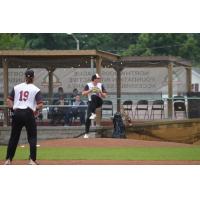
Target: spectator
pixel 77 110
pixel 60 95
pixel 57 112
pixel 74 94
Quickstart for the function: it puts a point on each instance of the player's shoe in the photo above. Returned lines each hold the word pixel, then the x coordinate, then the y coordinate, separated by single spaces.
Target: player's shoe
pixel 7 162
pixel 31 162
pixel 93 116
pixel 86 136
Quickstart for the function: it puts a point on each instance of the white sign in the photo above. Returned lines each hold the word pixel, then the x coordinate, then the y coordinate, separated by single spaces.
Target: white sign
pixel 132 79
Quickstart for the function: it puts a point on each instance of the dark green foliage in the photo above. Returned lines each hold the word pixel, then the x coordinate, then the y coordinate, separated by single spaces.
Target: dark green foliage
pixel 185 45
pixel 49 41
pixel 11 41
pixel 112 42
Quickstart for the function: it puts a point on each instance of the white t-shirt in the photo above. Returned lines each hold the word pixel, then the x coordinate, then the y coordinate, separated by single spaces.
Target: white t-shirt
pixel 90 86
pixel 25 95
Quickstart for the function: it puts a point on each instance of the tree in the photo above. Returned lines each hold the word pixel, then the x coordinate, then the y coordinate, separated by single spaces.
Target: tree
pixel 183 45
pixel 112 42
pixel 11 41
pixel 51 41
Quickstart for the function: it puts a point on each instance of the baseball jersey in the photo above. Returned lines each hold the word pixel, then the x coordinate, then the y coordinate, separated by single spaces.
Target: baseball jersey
pixel 90 86
pixel 25 96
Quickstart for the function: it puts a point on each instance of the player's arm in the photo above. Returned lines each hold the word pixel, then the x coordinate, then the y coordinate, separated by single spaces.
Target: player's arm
pixel 39 106
pixel 39 101
pixel 86 91
pixel 10 99
pixel 9 103
pixel 104 92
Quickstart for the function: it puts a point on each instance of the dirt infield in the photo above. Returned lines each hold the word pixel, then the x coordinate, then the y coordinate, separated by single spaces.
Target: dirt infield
pixel 107 142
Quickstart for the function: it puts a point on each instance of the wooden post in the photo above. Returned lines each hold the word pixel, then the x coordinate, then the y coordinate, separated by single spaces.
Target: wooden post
pixel 5 82
pixel 50 72
pixel 98 65
pixel 118 82
pixel 98 70
pixel 170 90
pixel 92 64
pixel 189 79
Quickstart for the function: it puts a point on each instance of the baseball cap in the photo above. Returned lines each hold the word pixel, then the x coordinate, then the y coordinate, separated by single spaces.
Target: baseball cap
pixel 29 73
pixel 95 76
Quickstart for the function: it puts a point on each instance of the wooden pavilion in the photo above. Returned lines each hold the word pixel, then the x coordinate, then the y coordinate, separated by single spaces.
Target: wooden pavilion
pixel 169 62
pixel 52 59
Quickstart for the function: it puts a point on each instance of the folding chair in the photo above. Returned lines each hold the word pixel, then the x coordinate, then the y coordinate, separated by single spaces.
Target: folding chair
pixel 157 105
pixel 142 105
pixel 179 106
pixel 107 108
pixel 128 107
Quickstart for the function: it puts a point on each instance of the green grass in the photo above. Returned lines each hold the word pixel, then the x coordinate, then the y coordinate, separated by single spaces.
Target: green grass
pixel 137 153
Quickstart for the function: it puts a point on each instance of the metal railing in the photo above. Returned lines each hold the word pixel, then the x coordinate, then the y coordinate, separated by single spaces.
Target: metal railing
pixel 192 105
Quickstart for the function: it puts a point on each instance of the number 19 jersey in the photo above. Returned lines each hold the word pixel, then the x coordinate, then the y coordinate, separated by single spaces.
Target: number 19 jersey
pixel 25 95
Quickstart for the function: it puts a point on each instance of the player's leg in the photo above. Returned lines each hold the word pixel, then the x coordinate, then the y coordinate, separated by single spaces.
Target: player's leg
pixel 93 106
pixel 31 134
pixel 17 124
pixel 99 102
pixel 88 120
pixel 95 103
